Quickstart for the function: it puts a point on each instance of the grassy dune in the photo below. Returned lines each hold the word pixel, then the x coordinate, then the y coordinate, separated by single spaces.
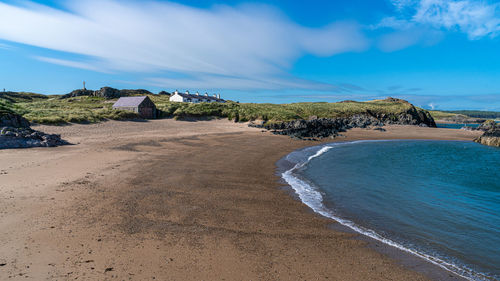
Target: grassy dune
pixel 53 110
pixel 72 110
pixel 281 112
pixel 84 109
pixel 464 114
pixel 440 115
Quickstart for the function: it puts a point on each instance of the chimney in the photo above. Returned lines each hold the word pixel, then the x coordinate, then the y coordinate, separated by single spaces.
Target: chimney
pixel 206 94
pixel 176 92
pixel 215 96
pixel 187 92
pixel 197 93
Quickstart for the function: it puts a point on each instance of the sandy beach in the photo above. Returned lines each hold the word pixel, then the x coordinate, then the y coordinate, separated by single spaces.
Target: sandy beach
pixel 176 200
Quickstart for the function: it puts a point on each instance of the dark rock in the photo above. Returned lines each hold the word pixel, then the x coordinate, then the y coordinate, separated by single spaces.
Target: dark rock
pixel 488 125
pixel 138 92
pixel 164 93
pixel 490 137
pixel 107 92
pixel 15 132
pixel 390 99
pixel 13 120
pixel 78 93
pixel 317 128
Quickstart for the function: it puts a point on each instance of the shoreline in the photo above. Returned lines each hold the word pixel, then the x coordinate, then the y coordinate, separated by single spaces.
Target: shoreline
pixel 176 200
pixel 420 262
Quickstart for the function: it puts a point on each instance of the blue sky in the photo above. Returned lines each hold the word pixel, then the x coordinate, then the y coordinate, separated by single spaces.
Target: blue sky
pixel 438 54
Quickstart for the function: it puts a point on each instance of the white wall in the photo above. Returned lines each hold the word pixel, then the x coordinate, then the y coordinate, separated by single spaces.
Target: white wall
pixel 176 98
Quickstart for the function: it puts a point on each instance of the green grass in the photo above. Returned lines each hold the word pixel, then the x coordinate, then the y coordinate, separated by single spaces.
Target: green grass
pixel 282 112
pixel 5 107
pixel 439 115
pixel 465 114
pixel 54 110
pixel 72 110
pixel 15 97
pixel 478 113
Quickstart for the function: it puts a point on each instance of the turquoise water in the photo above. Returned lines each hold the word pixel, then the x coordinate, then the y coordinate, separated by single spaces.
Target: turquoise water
pixel 437 199
pixel 455 126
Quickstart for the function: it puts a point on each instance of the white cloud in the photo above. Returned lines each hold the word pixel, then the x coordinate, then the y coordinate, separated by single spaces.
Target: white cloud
pixel 475 18
pixel 207 81
pixel 70 63
pixel 247 42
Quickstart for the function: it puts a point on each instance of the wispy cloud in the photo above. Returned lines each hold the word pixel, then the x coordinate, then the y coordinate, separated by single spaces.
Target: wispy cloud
pixel 476 18
pixel 221 46
pixel 424 21
pixel 203 80
pixel 70 63
pixel 5 46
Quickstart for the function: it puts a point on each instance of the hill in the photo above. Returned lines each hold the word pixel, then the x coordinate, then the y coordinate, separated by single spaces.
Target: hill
pixel 477 113
pixel 91 108
pixel 464 116
pixel 21 96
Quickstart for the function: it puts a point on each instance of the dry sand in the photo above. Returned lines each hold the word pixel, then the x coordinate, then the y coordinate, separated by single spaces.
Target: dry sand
pixel 172 200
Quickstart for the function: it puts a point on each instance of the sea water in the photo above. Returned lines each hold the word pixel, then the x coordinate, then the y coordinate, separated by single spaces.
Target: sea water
pixel 456 126
pixel 439 200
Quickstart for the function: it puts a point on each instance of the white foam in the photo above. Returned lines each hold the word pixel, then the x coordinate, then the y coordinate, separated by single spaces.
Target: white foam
pixel 312 197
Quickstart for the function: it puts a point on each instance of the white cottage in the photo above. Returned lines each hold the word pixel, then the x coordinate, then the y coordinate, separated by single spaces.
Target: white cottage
pixel 196 98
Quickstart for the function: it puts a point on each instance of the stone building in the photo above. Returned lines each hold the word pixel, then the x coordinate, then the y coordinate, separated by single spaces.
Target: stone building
pixel 140 105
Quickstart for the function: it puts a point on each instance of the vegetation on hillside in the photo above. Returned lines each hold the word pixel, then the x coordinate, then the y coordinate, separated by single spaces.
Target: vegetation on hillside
pixel 5 107
pixel 88 109
pixel 464 114
pixel 53 110
pixel 280 112
pixel 477 113
pixel 15 97
pixel 441 115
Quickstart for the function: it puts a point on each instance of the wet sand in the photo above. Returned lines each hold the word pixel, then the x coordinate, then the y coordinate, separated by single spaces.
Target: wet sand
pixel 171 200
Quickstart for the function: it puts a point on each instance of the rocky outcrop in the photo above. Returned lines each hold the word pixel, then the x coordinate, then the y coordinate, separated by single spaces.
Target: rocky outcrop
pixel 138 92
pixel 490 137
pixel 78 93
pixel 108 93
pixel 411 116
pixel 13 120
pixel 488 125
pixel 317 128
pixel 15 132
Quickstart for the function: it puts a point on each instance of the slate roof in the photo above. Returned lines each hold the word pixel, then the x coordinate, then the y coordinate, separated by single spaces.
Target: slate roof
pixel 191 96
pixel 129 101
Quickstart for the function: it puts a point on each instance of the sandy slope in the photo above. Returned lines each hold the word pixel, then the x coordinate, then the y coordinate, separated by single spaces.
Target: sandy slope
pixel 174 200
